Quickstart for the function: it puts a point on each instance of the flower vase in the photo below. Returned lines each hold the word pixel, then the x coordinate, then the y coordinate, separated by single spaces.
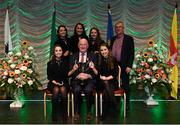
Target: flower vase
pixel 17 103
pixel 150 100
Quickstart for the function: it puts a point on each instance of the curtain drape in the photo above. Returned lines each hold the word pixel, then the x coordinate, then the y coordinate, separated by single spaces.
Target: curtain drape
pixel 31 20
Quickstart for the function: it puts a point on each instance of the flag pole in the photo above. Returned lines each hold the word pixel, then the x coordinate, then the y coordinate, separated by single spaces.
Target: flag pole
pixel 7 33
pixel 109 25
pixel 53 30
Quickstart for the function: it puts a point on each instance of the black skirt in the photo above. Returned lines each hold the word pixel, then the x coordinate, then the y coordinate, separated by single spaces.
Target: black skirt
pixel 51 86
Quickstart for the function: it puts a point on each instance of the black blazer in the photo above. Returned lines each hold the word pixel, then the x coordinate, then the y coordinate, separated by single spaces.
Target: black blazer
pixel 127 52
pixel 75 58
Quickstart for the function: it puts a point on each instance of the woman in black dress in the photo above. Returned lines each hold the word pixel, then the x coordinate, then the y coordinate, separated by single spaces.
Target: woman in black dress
pixel 79 32
pixel 95 40
pixel 57 70
pixel 108 72
pixel 63 40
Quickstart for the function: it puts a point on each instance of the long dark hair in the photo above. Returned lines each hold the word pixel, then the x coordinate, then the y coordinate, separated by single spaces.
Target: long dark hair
pixel 98 34
pixel 53 58
pixel 110 57
pixel 65 30
pixel 83 33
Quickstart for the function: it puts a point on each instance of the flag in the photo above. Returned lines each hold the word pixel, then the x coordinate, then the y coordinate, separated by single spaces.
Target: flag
pixel 53 31
pixel 7 34
pixel 109 26
pixel 173 55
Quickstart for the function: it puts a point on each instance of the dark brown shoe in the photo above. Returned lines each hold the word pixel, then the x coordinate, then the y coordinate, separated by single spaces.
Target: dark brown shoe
pixel 76 116
pixel 89 116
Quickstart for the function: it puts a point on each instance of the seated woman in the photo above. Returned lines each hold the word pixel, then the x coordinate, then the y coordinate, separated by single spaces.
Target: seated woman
pixel 108 72
pixel 57 70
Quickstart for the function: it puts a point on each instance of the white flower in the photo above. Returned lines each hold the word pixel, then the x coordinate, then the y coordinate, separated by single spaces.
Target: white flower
pixel 4 77
pixel 134 65
pixel 18 54
pixel 134 81
pixel 10 53
pixel 10 80
pixel 30 48
pixel 29 71
pixel 24 68
pixel 12 66
pixel 147 76
pixel 138 55
pixel 150 60
pixel 26 56
pixel 5 73
pixel 154 67
pixel 170 81
pixel 30 82
pixel 154 80
pixel 155 45
pixel 10 61
pixel 17 71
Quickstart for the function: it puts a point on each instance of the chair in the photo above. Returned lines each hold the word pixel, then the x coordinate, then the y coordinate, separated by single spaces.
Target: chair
pixel 82 94
pixel 120 92
pixel 47 93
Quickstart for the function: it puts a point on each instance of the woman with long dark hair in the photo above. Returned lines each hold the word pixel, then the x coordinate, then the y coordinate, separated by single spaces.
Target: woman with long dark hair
pixel 57 70
pixel 95 40
pixel 79 32
pixel 108 72
pixel 63 40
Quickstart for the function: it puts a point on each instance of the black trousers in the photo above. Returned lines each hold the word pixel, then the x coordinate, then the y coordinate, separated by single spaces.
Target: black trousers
pixel 87 87
pixel 126 85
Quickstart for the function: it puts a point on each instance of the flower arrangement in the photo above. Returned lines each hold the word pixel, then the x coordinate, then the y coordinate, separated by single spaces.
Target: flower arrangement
pixel 150 69
pixel 17 69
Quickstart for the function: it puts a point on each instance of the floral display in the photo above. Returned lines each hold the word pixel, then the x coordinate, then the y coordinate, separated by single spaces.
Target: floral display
pixel 150 69
pixel 17 69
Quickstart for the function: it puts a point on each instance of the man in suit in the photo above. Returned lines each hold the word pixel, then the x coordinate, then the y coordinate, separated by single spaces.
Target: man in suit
pixel 83 72
pixel 123 50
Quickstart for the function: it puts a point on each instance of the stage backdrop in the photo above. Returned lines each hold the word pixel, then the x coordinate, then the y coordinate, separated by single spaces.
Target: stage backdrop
pixel 31 20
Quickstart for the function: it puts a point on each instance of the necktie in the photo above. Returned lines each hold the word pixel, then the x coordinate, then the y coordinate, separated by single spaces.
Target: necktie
pixel 82 57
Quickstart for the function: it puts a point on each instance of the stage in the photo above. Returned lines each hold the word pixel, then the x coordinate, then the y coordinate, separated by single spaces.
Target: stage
pixel 167 112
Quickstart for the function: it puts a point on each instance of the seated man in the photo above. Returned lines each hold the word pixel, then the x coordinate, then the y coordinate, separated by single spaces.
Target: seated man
pixel 83 72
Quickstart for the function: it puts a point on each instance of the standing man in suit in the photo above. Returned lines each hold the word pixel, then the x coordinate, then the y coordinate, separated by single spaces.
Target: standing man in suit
pixel 83 72
pixel 123 50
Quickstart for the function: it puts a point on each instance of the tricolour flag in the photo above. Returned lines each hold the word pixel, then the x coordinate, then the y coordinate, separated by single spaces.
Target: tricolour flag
pixel 173 55
pixel 110 25
pixel 7 34
pixel 53 31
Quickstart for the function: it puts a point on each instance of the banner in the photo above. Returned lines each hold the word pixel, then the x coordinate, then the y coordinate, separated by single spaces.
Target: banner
pixel 109 26
pixel 7 34
pixel 173 55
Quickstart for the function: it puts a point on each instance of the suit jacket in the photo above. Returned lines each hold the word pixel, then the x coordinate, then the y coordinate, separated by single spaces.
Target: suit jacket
pixel 127 52
pixel 75 58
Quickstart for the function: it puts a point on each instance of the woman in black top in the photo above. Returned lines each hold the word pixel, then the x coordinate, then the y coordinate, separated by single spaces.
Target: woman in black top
pixel 79 32
pixel 95 40
pixel 57 70
pixel 108 72
pixel 63 40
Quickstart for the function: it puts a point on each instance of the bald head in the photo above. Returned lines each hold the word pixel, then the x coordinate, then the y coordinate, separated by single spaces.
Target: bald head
pixel 83 45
